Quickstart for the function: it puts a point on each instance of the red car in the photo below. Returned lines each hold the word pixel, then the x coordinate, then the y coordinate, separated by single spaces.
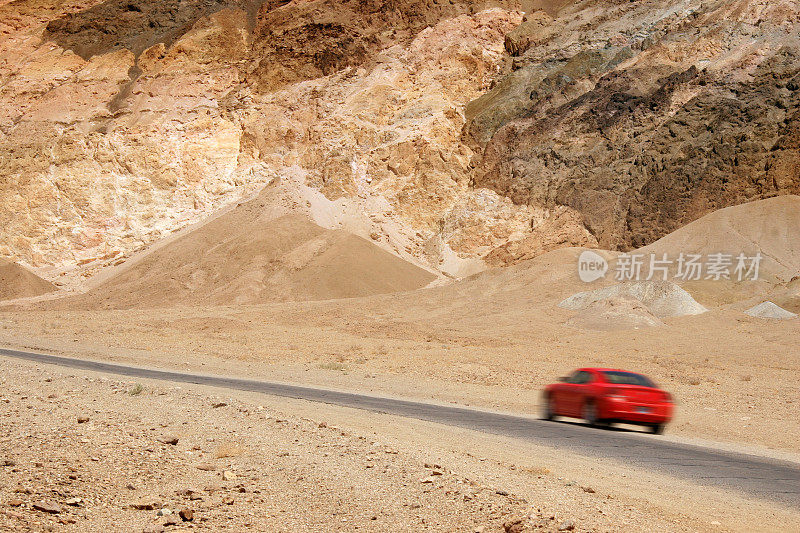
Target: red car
pixel 603 396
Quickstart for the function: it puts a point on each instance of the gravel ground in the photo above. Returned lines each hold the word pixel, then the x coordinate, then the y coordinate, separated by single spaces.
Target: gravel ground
pixel 94 454
pixel 91 452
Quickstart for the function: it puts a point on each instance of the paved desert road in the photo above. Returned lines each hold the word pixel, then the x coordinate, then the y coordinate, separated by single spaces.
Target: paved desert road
pixel 768 479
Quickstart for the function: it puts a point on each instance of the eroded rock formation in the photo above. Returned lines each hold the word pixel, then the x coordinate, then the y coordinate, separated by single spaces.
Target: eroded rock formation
pixel 451 133
pixel 643 119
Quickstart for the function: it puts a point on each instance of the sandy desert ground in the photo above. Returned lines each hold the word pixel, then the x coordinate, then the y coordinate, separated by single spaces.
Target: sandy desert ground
pixel 101 454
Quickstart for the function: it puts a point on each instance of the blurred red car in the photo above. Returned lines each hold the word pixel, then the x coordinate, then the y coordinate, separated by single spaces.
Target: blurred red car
pixel 603 396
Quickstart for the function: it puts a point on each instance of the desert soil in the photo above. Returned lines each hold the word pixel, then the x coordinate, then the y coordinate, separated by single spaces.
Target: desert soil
pixel 101 454
pixel 493 340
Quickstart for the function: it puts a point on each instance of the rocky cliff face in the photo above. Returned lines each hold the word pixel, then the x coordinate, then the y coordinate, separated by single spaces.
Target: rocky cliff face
pixel 124 121
pixel 447 132
pixel 643 118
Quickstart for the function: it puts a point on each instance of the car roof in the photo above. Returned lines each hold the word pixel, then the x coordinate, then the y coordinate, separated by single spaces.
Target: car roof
pixel 596 369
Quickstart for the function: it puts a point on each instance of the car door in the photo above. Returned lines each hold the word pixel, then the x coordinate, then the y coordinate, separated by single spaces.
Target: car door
pixel 564 394
pixel 583 391
pixel 576 393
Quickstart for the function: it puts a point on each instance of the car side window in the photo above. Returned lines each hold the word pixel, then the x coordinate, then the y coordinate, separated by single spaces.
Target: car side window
pixel 582 377
pixel 574 378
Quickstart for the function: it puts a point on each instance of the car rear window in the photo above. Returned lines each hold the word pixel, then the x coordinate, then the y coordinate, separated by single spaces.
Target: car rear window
pixel 627 378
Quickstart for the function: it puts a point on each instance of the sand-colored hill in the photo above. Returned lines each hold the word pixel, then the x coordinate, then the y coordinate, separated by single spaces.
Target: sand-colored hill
pixel 768 310
pixel 17 281
pixel 770 227
pixel 662 298
pixel 247 256
pixel 615 313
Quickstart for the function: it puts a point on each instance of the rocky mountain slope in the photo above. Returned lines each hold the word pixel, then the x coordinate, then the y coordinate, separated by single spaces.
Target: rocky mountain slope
pixel 448 133
pixel 643 116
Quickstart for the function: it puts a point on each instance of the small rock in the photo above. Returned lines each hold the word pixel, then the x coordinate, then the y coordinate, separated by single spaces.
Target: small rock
pixel 169 439
pixel 206 467
pixel 227 475
pixel 187 515
pixel 568 525
pixel 15 503
pixel 9 462
pixel 428 479
pixel 228 500
pixel 170 521
pixel 47 507
pixel 164 512
pixel 515 525
pixel 218 405
pixel 590 490
pixel 146 505
pixel 501 492
pixel 130 486
pixel 191 494
pixel 153 528
pixel 83 419
pixel 73 501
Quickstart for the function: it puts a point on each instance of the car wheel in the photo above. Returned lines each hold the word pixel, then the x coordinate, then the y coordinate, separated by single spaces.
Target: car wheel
pixel 657 429
pixel 549 411
pixel 590 413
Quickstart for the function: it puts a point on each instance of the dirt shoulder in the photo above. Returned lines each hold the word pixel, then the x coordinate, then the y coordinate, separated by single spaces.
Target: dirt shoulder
pixel 98 454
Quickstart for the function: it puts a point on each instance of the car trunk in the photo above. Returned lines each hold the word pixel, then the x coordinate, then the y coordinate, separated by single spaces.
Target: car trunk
pixel 636 393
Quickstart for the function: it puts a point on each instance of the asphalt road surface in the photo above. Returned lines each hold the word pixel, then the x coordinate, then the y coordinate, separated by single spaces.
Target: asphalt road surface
pixel 768 479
